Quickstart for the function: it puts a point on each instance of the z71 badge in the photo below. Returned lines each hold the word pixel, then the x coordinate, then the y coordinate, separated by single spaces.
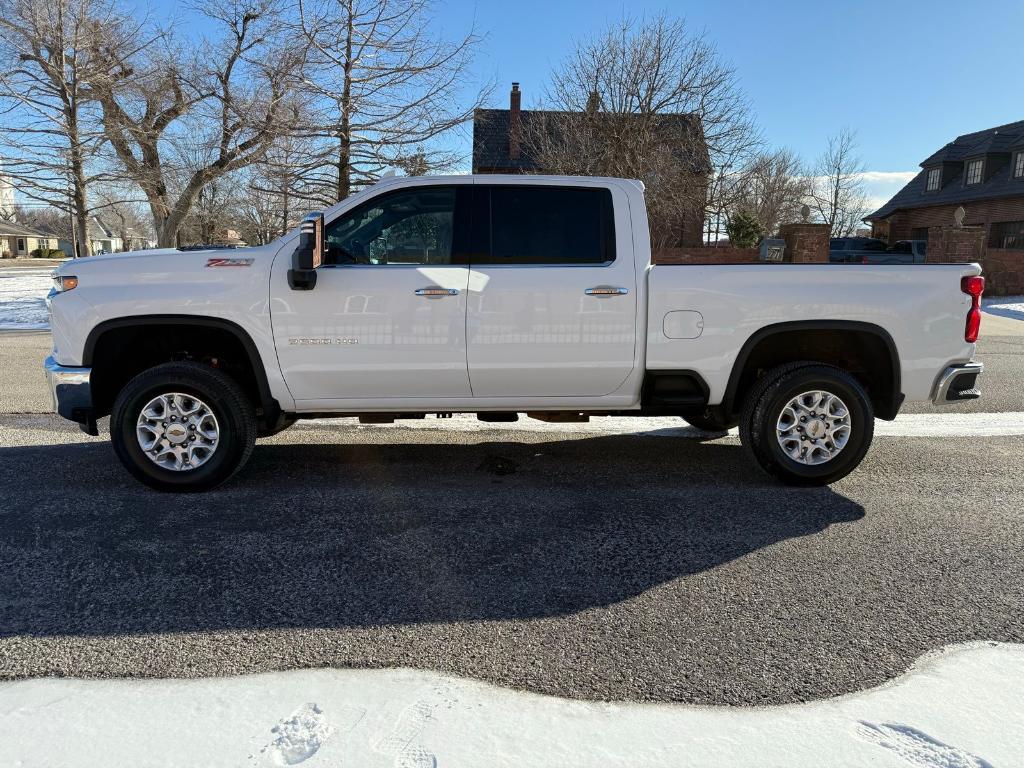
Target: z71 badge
pixel 225 262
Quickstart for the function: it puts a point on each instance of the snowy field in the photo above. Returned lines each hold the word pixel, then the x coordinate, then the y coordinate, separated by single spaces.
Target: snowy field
pixel 958 709
pixel 23 298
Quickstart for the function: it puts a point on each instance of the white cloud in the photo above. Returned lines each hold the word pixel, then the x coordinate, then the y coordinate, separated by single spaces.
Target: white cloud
pixel 888 177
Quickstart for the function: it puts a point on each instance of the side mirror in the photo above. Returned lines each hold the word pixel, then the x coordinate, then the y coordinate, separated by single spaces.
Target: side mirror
pixel 309 253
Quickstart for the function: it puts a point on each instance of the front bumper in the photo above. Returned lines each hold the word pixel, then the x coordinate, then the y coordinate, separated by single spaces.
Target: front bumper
pixel 72 393
pixel 958 383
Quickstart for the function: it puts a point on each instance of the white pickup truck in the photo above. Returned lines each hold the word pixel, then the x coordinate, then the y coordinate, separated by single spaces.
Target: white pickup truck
pixel 497 295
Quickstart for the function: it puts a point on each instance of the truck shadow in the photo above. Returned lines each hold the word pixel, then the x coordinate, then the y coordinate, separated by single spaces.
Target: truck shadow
pixel 364 535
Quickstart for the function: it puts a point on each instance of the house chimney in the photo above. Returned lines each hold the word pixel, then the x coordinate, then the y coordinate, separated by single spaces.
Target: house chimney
pixel 593 103
pixel 514 122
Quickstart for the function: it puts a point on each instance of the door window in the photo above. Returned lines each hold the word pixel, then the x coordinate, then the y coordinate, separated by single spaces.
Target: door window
pixel 549 225
pixel 412 226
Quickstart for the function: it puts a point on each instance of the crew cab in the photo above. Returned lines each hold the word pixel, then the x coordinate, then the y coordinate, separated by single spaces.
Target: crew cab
pixel 499 296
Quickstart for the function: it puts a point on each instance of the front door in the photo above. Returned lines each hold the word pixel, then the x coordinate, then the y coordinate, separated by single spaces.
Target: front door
pixel 552 306
pixel 387 316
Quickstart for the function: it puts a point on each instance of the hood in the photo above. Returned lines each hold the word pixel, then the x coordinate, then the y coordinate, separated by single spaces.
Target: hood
pixel 164 257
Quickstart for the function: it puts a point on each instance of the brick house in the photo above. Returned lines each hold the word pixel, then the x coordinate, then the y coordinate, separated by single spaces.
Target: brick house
pixel 500 146
pixel 983 172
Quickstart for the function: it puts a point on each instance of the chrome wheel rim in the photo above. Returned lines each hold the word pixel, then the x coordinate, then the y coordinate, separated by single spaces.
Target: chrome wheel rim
pixel 177 431
pixel 814 427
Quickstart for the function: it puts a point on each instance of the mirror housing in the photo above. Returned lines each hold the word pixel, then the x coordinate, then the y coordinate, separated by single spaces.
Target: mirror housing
pixel 309 253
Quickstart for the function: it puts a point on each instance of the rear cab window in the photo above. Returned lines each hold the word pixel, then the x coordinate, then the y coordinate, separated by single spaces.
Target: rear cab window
pixel 530 225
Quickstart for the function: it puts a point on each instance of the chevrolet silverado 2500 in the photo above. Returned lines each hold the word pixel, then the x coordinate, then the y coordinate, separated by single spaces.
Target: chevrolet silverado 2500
pixel 497 295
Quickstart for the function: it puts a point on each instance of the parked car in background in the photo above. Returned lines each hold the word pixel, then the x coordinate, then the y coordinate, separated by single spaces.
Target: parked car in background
pixel 909 251
pixel 851 250
pixel 870 250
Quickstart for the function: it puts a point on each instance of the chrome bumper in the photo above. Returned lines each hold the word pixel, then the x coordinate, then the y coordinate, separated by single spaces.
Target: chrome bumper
pixel 71 393
pixel 958 383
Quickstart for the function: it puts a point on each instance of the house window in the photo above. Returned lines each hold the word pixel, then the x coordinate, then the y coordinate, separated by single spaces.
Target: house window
pixel 934 177
pixel 1018 166
pixel 974 169
pixel 1007 234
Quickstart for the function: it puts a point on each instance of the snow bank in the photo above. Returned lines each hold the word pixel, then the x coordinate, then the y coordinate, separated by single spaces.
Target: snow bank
pixel 958 709
pixel 23 298
pixel 906 425
pixel 1004 306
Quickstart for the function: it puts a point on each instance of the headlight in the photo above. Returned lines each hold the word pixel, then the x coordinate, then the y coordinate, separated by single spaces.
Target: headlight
pixel 62 283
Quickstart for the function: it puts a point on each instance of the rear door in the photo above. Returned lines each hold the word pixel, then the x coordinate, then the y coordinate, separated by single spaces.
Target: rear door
pixel 552 291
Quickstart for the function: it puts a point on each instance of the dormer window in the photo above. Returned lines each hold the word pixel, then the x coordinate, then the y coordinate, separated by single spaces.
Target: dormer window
pixel 1018 166
pixel 974 171
pixel 934 180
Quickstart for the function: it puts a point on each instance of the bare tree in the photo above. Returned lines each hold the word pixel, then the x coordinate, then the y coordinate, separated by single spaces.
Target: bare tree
pixel 837 191
pixel 180 121
pixel 381 89
pixel 51 133
pixel 772 187
pixel 649 100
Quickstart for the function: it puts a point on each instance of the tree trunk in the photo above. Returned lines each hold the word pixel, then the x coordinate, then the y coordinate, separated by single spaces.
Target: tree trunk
pixel 345 137
pixel 78 186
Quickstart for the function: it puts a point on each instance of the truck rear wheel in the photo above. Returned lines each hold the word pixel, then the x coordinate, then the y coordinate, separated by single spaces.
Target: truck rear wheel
pixel 807 424
pixel 182 427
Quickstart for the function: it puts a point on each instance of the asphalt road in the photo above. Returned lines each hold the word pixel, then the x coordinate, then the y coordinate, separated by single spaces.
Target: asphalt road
pixel 610 567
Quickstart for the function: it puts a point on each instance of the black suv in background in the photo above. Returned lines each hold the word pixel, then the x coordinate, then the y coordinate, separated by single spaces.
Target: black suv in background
pixel 870 250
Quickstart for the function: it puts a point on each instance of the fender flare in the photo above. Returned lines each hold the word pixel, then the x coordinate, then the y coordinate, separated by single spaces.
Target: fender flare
pixel 267 401
pixel 896 396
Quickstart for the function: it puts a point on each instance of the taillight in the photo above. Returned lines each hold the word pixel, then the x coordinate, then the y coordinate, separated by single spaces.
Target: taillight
pixel 973 286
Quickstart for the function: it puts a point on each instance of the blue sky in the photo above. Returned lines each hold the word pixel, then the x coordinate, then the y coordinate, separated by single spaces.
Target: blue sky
pixel 907 75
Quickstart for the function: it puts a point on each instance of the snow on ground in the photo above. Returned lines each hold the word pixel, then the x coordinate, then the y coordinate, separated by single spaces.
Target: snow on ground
pixel 906 425
pixel 958 709
pixel 1005 306
pixel 23 298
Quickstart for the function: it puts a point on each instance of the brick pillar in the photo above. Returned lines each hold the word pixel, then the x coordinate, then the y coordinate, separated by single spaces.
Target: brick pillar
pixel 806 243
pixel 956 245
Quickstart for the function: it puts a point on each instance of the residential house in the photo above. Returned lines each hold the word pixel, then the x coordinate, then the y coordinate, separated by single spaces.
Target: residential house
pixel 983 172
pixel 103 239
pixel 19 241
pixel 501 145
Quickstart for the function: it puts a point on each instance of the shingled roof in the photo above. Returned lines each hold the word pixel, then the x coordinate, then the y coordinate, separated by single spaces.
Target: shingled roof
pixel 491 139
pixel 1001 142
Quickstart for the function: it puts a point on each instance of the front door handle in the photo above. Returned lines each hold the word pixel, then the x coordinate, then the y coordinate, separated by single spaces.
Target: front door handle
pixel 606 290
pixel 434 292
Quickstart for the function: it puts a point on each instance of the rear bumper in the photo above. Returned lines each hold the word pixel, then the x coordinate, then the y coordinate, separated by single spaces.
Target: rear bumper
pixel 958 383
pixel 71 391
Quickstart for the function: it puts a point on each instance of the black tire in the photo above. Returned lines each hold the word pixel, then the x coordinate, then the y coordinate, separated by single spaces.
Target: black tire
pixel 769 397
pixel 702 420
pixel 233 411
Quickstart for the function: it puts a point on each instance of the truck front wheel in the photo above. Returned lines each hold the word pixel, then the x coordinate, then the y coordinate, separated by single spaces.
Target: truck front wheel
pixel 807 424
pixel 182 427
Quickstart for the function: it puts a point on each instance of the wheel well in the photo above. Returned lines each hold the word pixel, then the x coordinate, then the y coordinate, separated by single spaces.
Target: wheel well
pixel 120 350
pixel 865 351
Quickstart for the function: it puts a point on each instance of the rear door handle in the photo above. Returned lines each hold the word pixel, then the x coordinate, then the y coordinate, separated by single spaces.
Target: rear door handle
pixel 435 292
pixel 606 290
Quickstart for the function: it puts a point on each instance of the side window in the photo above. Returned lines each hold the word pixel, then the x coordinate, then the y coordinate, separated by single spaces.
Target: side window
pixel 410 226
pixel 550 225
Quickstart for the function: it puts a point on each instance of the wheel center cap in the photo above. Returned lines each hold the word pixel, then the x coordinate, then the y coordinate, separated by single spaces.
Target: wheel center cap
pixel 815 429
pixel 177 433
